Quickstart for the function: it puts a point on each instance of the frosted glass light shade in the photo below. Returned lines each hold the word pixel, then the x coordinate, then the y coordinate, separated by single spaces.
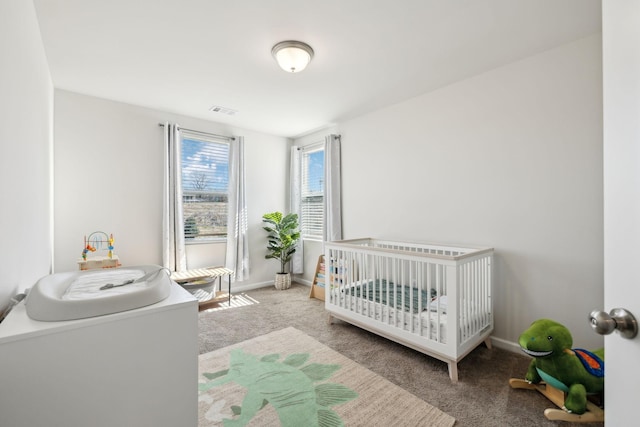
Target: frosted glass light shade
pixel 292 56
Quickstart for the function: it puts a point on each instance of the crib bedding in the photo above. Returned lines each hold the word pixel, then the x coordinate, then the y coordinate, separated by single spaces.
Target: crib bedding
pixel 426 322
pixel 406 298
pixel 431 322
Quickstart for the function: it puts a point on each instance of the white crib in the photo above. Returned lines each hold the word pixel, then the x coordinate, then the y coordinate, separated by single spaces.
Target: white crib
pixel 436 299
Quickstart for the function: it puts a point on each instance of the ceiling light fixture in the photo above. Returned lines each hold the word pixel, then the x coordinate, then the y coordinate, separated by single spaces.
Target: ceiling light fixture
pixel 292 56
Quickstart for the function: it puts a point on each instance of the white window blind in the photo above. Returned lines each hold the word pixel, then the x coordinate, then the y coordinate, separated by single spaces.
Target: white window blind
pixel 312 192
pixel 205 187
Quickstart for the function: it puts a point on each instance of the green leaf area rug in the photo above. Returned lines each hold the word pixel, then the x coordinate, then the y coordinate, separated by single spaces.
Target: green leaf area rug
pixel 286 378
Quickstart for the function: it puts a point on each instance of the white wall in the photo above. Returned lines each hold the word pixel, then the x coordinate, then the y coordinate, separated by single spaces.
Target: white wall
pixel 512 159
pixel 26 112
pixel 108 177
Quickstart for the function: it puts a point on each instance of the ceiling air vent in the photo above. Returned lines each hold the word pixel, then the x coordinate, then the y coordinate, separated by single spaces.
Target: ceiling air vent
pixel 223 110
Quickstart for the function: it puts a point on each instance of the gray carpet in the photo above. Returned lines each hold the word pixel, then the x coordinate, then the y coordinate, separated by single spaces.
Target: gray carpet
pixel 482 397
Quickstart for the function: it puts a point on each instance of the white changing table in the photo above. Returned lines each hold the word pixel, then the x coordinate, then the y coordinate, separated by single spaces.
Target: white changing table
pixel 133 368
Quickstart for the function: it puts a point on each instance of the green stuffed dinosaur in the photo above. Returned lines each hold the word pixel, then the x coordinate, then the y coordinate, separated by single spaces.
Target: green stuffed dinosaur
pixel 577 372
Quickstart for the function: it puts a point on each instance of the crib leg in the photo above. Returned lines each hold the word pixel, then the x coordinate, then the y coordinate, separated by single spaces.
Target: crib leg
pixel 453 371
pixel 487 342
pixel 329 319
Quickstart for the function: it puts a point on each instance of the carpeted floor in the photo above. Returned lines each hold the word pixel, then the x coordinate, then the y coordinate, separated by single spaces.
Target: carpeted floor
pixel 482 397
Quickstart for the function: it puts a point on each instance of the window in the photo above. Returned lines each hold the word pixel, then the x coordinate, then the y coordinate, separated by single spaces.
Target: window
pixel 312 192
pixel 205 187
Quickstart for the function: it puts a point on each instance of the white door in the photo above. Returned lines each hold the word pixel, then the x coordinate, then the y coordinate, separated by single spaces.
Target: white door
pixel 621 100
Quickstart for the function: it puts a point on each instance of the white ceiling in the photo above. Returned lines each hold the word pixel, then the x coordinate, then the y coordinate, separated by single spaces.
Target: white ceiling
pixel 184 56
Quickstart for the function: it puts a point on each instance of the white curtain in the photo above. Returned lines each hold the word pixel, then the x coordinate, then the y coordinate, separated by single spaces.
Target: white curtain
pixel 237 258
pixel 332 197
pixel 297 261
pixel 173 251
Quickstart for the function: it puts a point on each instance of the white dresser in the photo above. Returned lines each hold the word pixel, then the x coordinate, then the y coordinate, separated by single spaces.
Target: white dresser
pixel 135 368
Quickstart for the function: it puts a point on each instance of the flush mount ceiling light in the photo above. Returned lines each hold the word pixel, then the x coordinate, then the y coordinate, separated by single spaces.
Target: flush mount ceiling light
pixel 292 56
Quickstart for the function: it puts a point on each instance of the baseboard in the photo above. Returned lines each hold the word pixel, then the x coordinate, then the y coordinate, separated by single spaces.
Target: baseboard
pixel 302 281
pixel 243 288
pixel 506 345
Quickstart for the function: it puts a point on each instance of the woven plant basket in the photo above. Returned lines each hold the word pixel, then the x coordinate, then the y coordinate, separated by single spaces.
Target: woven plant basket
pixel 283 281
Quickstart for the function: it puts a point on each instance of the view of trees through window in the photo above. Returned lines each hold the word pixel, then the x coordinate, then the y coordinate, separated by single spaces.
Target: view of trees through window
pixel 205 187
pixel 312 194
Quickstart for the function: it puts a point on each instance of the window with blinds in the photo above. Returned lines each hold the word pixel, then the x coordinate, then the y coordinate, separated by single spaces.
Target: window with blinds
pixel 205 187
pixel 312 193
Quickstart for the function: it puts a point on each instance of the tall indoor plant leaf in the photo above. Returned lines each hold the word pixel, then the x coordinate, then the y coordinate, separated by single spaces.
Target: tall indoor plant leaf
pixel 283 235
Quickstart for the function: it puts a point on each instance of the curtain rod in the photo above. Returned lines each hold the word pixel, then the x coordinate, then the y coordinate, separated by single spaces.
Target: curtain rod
pixel 203 133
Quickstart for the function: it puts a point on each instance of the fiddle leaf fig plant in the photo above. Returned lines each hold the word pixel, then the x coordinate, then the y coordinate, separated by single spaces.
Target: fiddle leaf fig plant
pixel 283 237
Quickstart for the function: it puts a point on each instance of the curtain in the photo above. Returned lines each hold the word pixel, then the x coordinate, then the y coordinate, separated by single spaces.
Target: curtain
pixel 297 261
pixel 332 197
pixel 173 251
pixel 237 256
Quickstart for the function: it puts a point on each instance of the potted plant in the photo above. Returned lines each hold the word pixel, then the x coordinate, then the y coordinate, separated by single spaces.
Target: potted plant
pixel 282 239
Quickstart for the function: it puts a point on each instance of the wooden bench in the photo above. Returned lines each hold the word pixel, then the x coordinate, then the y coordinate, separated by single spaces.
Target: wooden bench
pixel 183 278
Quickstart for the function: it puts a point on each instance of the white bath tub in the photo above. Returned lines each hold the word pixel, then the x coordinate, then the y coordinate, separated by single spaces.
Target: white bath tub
pixel 82 294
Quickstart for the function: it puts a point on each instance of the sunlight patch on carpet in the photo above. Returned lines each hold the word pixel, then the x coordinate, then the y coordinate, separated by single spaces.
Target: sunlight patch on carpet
pixel 237 300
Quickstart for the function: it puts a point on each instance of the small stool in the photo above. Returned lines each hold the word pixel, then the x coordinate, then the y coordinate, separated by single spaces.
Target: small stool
pixel 187 276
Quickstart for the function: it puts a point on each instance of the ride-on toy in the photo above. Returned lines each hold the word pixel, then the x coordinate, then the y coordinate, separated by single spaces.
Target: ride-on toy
pixel 573 379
